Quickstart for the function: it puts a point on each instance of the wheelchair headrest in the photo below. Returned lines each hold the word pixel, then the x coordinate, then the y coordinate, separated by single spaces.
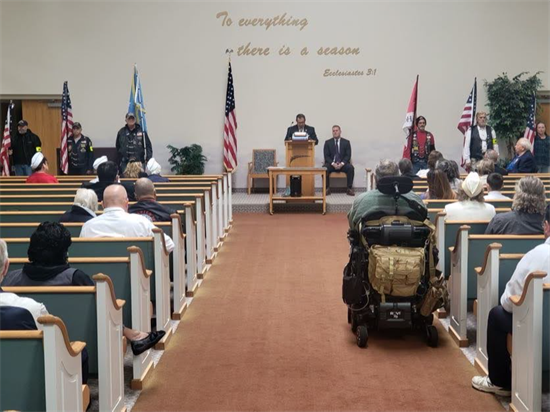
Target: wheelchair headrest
pixel 392 184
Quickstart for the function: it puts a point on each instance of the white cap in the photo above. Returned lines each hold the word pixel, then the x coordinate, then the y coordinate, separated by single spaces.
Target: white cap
pixel 472 185
pixel 36 160
pixel 153 168
pixel 99 161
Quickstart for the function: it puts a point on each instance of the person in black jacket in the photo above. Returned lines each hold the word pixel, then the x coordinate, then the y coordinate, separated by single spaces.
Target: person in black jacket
pixel 337 152
pixel 132 143
pixel 83 209
pixel 81 152
pixel 24 144
pixel 147 204
pixel 107 174
pixel 48 256
pixel 301 126
pixel 524 162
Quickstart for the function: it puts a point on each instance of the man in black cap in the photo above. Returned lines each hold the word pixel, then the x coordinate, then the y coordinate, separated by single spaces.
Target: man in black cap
pixel 132 143
pixel 24 145
pixel 81 152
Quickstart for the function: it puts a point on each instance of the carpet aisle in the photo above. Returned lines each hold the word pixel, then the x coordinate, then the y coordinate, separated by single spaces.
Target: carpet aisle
pixel 268 332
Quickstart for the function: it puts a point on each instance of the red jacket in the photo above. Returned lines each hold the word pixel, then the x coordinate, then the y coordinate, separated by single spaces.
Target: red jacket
pixel 41 177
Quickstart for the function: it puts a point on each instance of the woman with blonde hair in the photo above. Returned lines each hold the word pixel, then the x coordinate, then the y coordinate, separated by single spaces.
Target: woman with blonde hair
pixel 132 171
pixel 527 212
pixel 484 168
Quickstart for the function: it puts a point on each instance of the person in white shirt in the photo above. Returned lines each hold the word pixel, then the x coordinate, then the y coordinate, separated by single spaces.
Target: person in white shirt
pixel 477 140
pixel 117 222
pixel 495 181
pixel 499 380
pixel 471 204
pixel 11 300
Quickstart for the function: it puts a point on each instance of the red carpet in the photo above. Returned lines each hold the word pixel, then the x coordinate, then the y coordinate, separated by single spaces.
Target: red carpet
pixel 268 332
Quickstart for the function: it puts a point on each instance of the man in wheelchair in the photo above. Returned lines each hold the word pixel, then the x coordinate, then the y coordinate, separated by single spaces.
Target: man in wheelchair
pixel 391 279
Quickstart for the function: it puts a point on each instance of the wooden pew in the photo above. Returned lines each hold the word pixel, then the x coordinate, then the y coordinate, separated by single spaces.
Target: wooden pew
pixel 497 270
pixel 467 254
pixel 41 370
pixel 530 343
pixel 155 257
pixel 132 284
pixel 91 314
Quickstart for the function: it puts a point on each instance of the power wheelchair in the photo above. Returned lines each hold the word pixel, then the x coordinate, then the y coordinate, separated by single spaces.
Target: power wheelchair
pixel 399 230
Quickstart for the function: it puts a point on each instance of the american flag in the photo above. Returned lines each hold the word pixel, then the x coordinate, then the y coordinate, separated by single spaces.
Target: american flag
pixel 230 126
pixel 530 130
pixel 468 114
pixel 66 127
pixel 6 144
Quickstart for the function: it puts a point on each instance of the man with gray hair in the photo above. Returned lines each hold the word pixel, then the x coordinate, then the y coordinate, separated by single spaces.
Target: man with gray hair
pixel 493 156
pixel 147 204
pixel 376 200
pixel 17 313
pixel 84 207
pixel 524 162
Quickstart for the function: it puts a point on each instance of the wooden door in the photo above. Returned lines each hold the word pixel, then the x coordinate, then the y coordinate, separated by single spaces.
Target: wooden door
pixel 45 122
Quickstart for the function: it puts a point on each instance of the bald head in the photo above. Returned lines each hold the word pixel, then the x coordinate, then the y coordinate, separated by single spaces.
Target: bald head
pixel 115 196
pixel 145 189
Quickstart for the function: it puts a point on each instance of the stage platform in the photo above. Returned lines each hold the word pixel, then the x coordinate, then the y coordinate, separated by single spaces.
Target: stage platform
pixel 259 203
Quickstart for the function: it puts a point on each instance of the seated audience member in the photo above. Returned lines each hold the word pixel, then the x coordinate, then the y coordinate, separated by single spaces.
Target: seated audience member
pixel 48 255
pixel 117 222
pixel 108 175
pixel 524 162
pixel 84 207
pixel 495 181
pixel 433 158
pixel 484 168
pixel 133 170
pixel 374 200
pixel 541 149
pixel 470 205
pixel 438 186
pixel 97 162
pixel 492 154
pixel 406 169
pixel 39 166
pixel 14 310
pixel 499 325
pixel 527 210
pixel 147 204
pixel 153 170
pixel 448 166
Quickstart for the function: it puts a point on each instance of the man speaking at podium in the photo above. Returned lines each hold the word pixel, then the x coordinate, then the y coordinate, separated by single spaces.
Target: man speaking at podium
pixel 301 127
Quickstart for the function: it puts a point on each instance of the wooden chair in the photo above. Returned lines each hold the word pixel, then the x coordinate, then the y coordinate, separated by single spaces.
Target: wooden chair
pixel 257 168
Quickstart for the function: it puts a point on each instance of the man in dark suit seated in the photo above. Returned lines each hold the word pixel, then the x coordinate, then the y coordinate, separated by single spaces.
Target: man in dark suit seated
pixel 337 153
pixel 107 174
pixel 524 162
pixel 301 127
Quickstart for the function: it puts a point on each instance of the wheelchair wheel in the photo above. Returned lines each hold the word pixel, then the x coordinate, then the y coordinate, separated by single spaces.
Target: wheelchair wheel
pixel 432 336
pixel 362 335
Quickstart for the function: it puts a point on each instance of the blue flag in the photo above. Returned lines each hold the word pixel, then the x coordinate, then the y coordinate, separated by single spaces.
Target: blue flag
pixel 136 105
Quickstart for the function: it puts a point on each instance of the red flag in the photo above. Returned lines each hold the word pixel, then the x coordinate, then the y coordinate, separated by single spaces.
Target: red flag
pixel 6 144
pixel 530 130
pixel 66 127
pixel 230 126
pixel 409 120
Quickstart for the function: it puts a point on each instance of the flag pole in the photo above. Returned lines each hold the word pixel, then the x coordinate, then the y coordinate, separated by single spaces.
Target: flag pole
pixel 415 105
pixel 474 111
pixel 228 52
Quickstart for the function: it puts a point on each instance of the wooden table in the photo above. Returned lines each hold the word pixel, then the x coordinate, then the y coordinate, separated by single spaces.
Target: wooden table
pixel 301 171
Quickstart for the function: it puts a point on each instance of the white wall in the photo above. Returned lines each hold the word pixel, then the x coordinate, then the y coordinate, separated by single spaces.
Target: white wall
pixel 180 50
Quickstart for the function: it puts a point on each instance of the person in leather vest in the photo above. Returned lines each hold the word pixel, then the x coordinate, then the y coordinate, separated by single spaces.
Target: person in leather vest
pixel 132 143
pixel 24 144
pixel 81 152
pixel 422 143
pixel 477 140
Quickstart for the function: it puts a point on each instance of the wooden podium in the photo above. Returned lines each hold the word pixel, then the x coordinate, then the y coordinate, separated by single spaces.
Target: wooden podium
pixel 301 153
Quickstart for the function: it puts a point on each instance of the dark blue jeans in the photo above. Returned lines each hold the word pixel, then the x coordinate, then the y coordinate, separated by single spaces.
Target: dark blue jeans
pixel 499 325
pixel 22 170
pixel 419 165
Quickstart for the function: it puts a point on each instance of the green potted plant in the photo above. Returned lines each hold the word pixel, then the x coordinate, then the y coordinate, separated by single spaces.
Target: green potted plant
pixel 509 101
pixel 188 160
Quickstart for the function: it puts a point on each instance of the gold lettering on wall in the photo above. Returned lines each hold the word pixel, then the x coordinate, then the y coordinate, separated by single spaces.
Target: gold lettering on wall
pixel 282 20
